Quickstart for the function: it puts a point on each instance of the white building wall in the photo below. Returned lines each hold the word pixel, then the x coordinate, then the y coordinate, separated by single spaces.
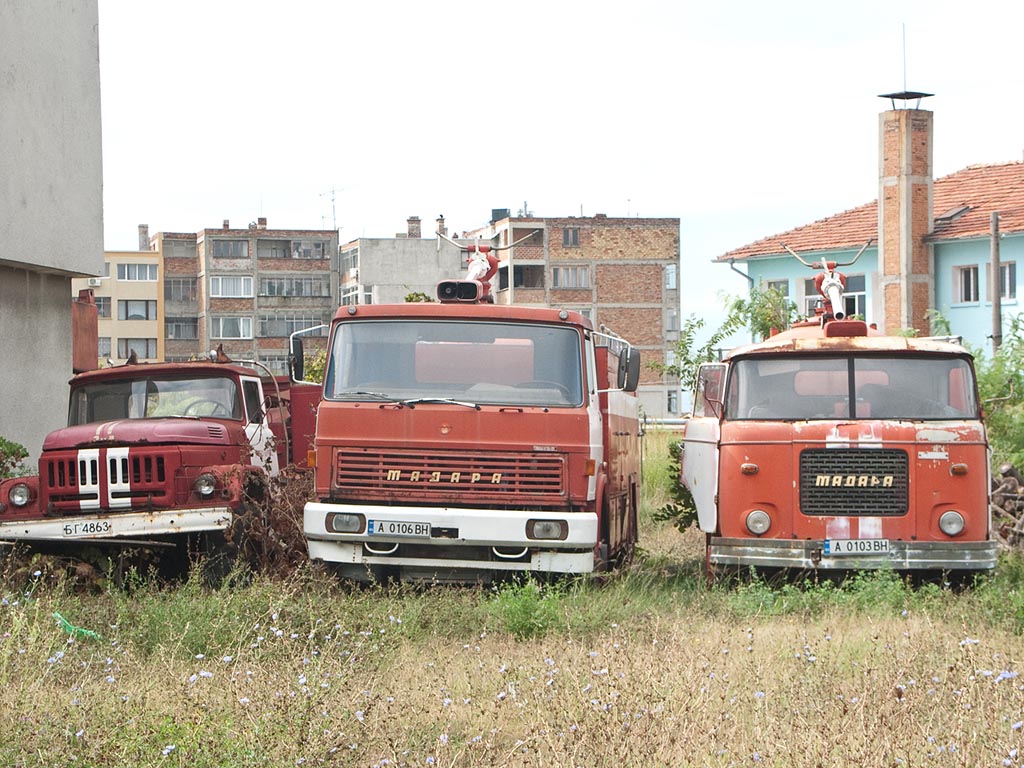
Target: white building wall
pixel 51 192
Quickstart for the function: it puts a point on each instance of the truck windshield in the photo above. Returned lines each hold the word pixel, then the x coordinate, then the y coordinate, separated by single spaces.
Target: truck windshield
pixel 923 387
pixel 471 361
pixel 149 397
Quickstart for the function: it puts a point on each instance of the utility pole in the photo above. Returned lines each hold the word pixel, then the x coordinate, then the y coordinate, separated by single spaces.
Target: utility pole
pixel 995 285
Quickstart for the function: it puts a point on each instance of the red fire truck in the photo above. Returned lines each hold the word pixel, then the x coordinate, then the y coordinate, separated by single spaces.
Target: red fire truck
pixel 156 454
pixel 460 440
pixel 831 446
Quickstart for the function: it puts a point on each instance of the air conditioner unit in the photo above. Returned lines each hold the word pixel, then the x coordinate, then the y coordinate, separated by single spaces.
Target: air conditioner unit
pixel 95 282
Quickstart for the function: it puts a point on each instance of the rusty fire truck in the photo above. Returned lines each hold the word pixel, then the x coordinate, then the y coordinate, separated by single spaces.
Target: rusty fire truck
pixel 460 440
pixel 831 446
pixel 158 455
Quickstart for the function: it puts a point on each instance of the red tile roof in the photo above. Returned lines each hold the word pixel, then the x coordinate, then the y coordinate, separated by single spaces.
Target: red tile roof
pixel 962 207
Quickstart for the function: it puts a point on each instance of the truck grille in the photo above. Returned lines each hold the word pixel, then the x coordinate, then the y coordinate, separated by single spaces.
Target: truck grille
pixel 102 480
pixel 854 481
pixel 439 473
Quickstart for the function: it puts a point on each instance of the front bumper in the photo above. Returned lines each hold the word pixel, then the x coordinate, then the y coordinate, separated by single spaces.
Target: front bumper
pixel 120 525
pixel 461 539
pixel 808 554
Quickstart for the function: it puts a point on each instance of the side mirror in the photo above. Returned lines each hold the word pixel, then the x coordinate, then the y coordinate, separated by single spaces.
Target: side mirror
pixel 296 360
pixel 628 375
pixel 708 399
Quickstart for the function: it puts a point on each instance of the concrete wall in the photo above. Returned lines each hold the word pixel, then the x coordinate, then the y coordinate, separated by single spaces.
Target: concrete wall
pixel 51 192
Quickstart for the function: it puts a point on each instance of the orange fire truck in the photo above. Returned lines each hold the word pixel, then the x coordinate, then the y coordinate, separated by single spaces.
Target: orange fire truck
pixel 460 440
pixel 831 446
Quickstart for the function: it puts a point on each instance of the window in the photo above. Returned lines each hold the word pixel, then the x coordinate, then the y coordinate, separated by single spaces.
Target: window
pixel 179 249
pixel 230 327
pixel 230 249
pixel 671 320
pixel 136 309
pixel 965 282
pixel 671 276
pixel 780 286
pixel 143 348
pixel 273 249
pixel 104 347
pixel 180 289
pixel 147 272
pixel 276 363
pixel 181 328
pixel 855 296
pixel 531 276
pixel 571 237
pixel 570 277
pixel 309 249
pixel 103 306
pixel 1007 281
pixel 231 287
pixel 349 260
pixel 672 404
pixel 294 286
pixel 286 325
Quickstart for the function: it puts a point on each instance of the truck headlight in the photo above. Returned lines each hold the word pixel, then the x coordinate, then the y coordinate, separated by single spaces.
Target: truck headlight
pixel 554 530
pixel 951 522
pixel 758 522
pixel 344 522
pixel 205 485
pixel 19 495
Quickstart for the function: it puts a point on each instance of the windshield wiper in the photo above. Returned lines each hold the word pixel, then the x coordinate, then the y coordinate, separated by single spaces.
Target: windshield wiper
pixel 413 401
pixel 378 395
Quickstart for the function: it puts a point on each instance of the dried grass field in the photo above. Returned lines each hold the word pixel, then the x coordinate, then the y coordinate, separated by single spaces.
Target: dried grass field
pixel 648 668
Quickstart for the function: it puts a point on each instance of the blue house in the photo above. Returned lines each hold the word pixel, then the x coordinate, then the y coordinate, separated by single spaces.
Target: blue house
pixel 931 241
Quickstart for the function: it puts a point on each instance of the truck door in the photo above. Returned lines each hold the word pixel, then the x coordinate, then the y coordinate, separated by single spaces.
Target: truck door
pixel 700 444
pixel 257 426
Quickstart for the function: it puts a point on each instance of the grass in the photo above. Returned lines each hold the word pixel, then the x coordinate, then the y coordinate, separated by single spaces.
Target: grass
pixel 650 667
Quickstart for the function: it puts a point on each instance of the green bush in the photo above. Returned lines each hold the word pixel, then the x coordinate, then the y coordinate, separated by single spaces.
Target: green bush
pixel 11 457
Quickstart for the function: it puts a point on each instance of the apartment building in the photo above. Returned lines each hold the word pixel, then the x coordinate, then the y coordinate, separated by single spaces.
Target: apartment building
pixel 622 273
pixel 246 289
pixel 130 306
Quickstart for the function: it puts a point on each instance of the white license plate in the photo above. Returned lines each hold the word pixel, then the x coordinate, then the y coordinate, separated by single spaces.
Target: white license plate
pixel 87 528
pixel 398 528
pixel 836 547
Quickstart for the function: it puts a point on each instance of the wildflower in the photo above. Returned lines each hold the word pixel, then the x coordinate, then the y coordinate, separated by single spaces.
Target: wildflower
pixel 204 673
pixel 200 656
pixel 1017 726
pixel 360 716
pixel 759 694
pixel 443 738
pixel 227 659
pixel 168 749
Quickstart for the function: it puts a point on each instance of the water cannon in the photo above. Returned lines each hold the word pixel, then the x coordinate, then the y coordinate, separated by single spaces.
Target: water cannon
pixel 830 283
pixel 483 266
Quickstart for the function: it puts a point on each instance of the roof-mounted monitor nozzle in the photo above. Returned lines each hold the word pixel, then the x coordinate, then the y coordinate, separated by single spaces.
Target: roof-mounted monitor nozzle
pixel 905 96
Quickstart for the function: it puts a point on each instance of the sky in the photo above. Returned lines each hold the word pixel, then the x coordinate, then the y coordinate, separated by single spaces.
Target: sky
pixel 743 119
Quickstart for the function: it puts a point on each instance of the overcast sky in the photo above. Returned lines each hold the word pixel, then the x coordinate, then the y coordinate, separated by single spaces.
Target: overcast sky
pixel 742 119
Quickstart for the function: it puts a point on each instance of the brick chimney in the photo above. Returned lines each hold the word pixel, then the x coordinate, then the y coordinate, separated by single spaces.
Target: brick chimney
pixel 143 237
pixel 905 215
pixel 227 224
pixel 261 222
pixel 413 227
pixel 441 228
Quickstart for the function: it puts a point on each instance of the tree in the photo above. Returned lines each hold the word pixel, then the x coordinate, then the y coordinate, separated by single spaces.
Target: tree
pixel 765 310
pixel 1001 387
pixel 417 297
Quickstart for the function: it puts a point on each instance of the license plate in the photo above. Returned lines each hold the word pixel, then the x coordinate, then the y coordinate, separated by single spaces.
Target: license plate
pixel 835 547
pixel 398 528
pixel 87 528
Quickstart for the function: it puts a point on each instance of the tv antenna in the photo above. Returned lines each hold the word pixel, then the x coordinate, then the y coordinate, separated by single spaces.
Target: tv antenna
pixel 334 215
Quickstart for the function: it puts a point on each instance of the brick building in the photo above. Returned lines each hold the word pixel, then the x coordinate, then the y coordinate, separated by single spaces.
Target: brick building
pixel 247 289
pixel 622 273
